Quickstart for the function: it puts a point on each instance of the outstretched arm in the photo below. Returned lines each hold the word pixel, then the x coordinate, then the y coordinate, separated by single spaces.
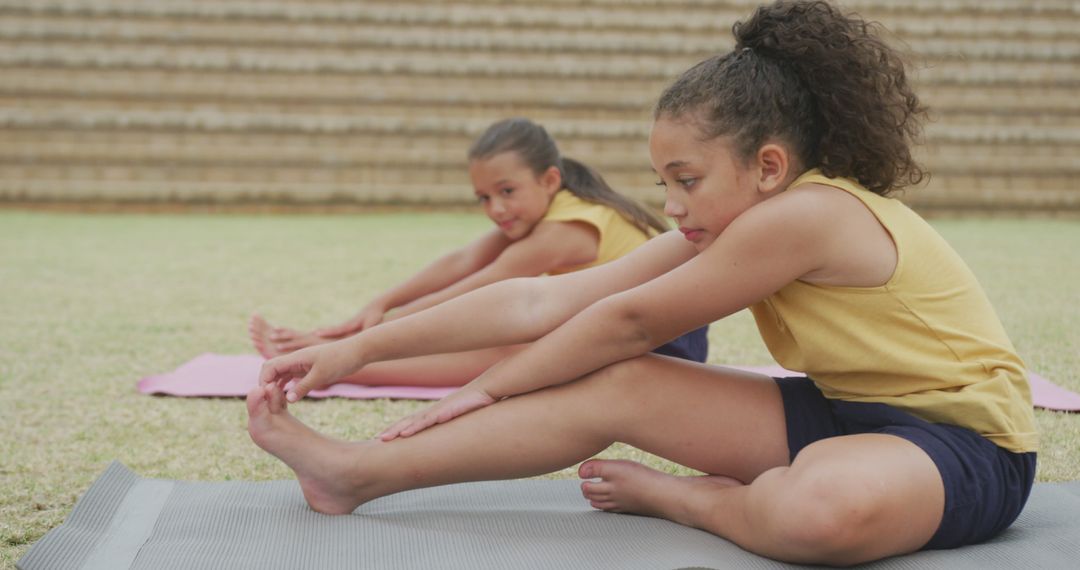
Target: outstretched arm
pixel 549 246
pixel 756 255
pixel 509 312
pixel 438 275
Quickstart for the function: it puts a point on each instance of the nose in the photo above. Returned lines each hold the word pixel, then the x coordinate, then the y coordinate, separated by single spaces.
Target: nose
pixel 496 207
pixel 673 209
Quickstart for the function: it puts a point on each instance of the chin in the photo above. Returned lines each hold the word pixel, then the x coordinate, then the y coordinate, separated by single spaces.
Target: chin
pixel 702 245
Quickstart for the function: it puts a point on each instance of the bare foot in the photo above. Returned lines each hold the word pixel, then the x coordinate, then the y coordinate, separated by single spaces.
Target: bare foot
pixel 630 487
pixel 323 466
pixel 273 341
pixel 259 331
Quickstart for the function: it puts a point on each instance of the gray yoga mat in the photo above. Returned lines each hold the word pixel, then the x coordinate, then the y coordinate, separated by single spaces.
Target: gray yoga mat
pixel 124 521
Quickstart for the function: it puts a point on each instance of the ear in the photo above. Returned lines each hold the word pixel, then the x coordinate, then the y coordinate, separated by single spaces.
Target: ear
pixel 551 180
pixel 773 163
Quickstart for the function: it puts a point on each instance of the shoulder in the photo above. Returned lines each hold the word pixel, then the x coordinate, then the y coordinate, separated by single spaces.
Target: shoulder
pixel 568 206
pixel 801 227
pixel 555 244
pixel 799 212
pixel 563 230
pixel 565 202
pixel 837 231
pixel 567 209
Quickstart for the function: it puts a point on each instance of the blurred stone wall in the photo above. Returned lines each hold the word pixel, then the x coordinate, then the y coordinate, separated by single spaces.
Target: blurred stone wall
pixel 285 101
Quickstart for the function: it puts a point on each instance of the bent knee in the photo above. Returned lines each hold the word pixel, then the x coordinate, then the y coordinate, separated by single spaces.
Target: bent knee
pixel 623 377
pixel 823 520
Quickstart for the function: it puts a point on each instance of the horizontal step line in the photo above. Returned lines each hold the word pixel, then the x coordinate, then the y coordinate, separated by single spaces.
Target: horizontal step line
pixel 314 100
pixel 408 166
pixel 700 50
pixel 635 17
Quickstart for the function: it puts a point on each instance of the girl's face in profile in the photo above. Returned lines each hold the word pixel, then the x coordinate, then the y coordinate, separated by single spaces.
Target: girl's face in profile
pixel 706 186
pixel 513 196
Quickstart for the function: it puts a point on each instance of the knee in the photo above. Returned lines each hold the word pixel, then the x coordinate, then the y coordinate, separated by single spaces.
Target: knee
pixel 620 379
pixel 820 519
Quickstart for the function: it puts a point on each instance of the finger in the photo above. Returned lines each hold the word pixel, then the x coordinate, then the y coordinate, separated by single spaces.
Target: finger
pixel 274 369
pixel 390 434
pixel 393 431
pixel 285 371
pixel 306 384
pixel 280 333
pixel 407 423
pixel 421 423
pixel 324 330
pixel 289 346
pixel 371 321
pixel 275 398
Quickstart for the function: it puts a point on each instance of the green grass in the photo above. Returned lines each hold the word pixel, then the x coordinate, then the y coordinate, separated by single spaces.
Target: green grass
pixel 91 303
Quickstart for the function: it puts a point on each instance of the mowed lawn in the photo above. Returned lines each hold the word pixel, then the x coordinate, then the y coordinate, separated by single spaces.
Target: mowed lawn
pixel 91 303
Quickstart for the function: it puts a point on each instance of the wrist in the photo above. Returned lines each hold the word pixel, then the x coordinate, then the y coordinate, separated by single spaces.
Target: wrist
pixel 358 349
pixel 483 385
pixel 377 304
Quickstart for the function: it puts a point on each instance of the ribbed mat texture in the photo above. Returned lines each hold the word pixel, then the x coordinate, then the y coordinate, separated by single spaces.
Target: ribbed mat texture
pixel 124 521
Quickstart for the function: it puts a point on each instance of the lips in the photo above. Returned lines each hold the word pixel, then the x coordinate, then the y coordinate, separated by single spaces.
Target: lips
pixel 690 234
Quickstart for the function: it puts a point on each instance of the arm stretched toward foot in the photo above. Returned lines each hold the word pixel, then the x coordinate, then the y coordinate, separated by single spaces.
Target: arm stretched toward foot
pixel 759 253
pixel 437 276
pixel 508 312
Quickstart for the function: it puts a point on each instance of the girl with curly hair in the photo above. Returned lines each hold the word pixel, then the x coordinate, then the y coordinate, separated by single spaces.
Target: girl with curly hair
pixel 913 428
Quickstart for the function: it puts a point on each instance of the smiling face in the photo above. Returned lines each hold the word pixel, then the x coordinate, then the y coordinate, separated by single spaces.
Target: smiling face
pixel 513 196
pixel 707 184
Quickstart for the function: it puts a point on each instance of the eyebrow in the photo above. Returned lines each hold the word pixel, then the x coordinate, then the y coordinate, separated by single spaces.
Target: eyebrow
pixel 673 164
pixel 496 184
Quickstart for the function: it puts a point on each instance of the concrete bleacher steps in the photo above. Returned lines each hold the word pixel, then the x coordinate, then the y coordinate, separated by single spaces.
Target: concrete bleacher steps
pixel 341 101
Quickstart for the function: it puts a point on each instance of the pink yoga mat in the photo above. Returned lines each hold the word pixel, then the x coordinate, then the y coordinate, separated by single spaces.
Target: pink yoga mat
pixel 234 375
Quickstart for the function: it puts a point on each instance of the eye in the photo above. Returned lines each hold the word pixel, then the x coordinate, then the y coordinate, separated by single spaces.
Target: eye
pixel 507 191
pixel 687 182
pixel 483 198
pixel 660 183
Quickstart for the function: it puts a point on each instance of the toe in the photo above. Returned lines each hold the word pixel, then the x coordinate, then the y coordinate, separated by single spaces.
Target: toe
pixel 604 505
pixel 595 489
pixel 590 469
pixel 255 401
pixel 276 398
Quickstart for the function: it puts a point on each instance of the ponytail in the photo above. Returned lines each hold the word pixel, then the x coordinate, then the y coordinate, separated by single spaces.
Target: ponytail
pixel 587 184
pixel 537 150
pixel 819 80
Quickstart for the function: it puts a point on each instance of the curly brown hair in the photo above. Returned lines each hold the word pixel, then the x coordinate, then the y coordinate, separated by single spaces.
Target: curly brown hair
pixel 819 80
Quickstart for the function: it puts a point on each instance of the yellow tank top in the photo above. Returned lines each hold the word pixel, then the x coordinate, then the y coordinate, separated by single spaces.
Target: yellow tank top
pixel 927 342
pixel 618 236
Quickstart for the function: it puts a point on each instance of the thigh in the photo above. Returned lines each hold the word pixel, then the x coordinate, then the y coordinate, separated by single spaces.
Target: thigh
pixel 717 420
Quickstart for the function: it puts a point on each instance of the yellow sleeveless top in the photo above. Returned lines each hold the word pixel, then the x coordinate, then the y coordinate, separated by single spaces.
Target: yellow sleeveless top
pixel 927 342
pixel 618 236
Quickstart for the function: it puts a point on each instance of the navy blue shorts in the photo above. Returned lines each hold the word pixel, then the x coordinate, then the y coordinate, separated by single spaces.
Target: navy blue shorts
pixel 985 486
pixel 693 345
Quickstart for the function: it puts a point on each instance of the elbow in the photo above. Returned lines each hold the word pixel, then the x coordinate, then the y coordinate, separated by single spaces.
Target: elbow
pixel 629 324
pixel 533 304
